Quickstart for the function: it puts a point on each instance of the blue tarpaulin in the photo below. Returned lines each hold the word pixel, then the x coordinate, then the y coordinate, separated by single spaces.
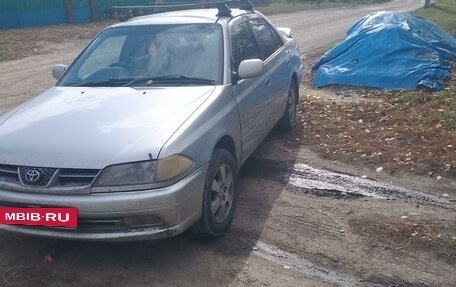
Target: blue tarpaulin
pixel 389 50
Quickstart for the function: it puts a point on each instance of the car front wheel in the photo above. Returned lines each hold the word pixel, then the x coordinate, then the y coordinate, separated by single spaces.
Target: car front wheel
pixel 220 193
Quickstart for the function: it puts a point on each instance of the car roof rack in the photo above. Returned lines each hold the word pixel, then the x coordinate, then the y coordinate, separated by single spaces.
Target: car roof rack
pixel 124 13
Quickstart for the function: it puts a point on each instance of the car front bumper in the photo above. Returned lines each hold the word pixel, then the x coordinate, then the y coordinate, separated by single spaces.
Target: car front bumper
pixel 122 216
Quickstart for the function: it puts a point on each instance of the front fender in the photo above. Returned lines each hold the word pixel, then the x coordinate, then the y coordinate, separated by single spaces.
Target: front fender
pixel 218 116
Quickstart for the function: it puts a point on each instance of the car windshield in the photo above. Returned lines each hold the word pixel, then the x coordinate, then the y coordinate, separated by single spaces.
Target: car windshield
pixel 188 54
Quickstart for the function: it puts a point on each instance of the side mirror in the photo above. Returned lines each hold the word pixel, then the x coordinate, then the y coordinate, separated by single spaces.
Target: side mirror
pixel 58 70
pixel 250 68
pixel 285 32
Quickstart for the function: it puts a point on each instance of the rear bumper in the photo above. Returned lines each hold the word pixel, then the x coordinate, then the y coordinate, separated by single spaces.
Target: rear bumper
pixel 123 216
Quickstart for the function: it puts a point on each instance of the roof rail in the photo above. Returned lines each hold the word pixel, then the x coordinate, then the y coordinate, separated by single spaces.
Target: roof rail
pixel 124 13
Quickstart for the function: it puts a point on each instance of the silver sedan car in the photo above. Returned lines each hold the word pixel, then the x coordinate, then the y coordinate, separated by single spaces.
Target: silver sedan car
pixel 145 132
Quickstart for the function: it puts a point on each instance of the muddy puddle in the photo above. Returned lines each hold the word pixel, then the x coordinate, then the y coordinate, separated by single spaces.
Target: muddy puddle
pixel 325 183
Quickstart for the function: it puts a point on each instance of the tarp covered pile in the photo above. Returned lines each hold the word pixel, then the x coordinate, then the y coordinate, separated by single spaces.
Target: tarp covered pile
pixel 389 50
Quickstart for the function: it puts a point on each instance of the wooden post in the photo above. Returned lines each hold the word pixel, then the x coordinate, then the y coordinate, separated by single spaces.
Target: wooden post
pixel 68 11
pixel 427 3
pixel 93 10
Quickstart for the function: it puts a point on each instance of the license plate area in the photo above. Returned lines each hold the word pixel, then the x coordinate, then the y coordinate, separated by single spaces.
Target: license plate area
pixel 40 216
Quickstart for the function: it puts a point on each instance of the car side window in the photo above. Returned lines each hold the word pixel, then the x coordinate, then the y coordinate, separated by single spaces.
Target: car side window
pixel 243 44
pixel 266 38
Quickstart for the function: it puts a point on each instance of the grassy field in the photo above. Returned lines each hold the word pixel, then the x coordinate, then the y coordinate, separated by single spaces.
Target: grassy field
pixel 443 13
pixel 284 6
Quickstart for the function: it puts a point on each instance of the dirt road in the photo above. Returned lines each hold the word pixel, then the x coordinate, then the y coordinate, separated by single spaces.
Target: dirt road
pixel 318 28
pixel 21 79
pixel 301 221
pixel 295 225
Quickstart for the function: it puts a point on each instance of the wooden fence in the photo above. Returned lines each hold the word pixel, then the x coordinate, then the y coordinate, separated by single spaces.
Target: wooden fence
pixel 32 13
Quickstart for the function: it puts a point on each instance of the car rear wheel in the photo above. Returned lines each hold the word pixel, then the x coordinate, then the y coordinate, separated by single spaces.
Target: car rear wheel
pixel 288 120
pixel 220 193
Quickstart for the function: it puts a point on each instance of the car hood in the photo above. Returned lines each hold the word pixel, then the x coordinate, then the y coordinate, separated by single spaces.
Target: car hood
pixel 95 127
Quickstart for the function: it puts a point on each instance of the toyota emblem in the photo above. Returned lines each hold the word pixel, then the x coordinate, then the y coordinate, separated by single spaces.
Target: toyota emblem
pixel 32 175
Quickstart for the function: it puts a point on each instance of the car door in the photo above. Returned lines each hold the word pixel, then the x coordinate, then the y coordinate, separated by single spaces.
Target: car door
pixel 261 100
pixel 250 93
pixel 278 70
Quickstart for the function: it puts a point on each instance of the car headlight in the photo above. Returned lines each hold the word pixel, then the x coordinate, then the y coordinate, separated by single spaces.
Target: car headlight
pixel 144 172
pixel 126 174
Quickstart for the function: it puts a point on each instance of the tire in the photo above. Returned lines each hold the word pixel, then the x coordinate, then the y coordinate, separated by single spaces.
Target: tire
pixel 288 120
pixel 220 194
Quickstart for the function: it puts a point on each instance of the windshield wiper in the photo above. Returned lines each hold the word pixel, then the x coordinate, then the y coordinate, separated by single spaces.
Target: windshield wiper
pixel 148 81
pixel 168 79
pixel 184 79
pixel 107 82
pixel 127 82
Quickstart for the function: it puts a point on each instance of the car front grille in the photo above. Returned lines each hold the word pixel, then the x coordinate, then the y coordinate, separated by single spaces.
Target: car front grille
pixel 36 176
pixel 47 177
pixel 9 174
pixel 76 177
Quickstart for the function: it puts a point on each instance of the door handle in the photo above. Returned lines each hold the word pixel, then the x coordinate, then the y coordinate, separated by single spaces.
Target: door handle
pixel 267 82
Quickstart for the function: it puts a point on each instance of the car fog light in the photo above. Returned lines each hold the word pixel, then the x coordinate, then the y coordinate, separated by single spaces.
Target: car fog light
pixel 142 221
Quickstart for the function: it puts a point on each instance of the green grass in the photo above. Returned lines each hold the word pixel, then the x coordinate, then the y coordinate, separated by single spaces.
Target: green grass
pixel 284 6
pixel 442 13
